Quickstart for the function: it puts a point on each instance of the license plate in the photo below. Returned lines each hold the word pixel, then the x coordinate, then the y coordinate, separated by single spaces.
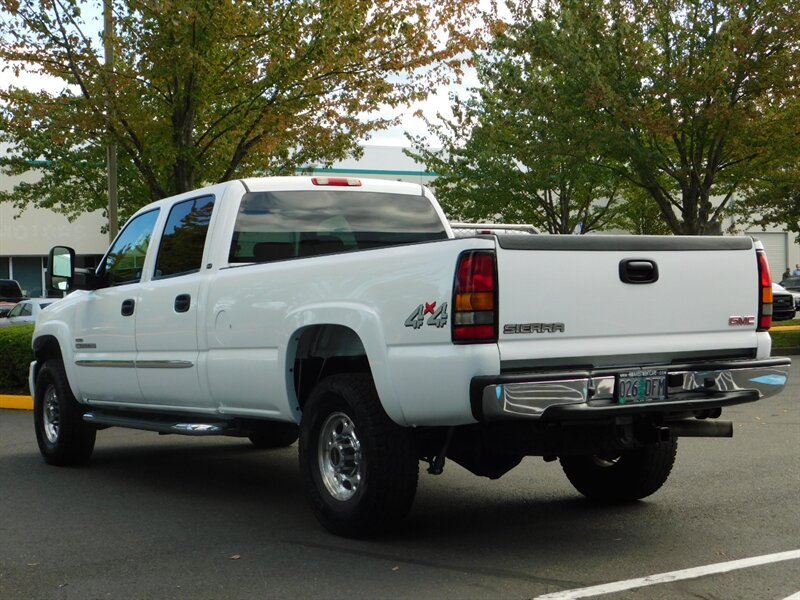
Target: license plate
pixel 641 386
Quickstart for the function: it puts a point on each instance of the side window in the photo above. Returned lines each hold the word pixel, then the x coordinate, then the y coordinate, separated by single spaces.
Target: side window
pixel 181 249
pixel 16 311
pixel 125 259
pixel 27 310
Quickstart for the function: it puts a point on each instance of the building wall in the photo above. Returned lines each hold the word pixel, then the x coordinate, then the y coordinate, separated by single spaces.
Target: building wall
pixel 782 251
pixel 26 238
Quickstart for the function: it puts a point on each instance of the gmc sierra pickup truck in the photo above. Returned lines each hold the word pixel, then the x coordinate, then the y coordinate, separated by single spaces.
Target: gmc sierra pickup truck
pixel 346 313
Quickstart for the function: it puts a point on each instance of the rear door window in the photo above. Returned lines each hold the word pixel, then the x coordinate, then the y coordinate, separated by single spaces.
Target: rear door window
pixel 184 237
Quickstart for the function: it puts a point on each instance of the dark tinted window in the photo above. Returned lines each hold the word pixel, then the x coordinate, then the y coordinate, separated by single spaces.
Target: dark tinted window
pixel 791 282
pixel 279 225
pixel 124 261
pixel 10 290
pixel 181 249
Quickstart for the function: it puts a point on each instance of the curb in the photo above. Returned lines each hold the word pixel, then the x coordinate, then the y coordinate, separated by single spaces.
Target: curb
pixel 16 402
pixel 790 351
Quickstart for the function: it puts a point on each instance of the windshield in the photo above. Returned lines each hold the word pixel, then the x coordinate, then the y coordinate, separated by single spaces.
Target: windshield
pixel 791 283
pixel 10 289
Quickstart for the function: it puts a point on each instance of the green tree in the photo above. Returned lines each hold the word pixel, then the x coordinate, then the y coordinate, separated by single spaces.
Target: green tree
pixel 205 91
pixel 689 96
pixel 517 148
pixel 638 213
pixel 773 199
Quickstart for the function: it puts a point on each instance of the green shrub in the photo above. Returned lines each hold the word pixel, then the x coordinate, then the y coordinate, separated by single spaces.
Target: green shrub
pixel 15 358
pixel 785 339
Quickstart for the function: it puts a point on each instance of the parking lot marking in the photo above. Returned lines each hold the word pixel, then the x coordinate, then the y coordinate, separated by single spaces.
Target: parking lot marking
pixel 793 597
pixel 629 584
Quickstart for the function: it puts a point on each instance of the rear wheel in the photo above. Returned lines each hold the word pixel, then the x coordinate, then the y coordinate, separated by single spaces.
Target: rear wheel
pixel 359 467
pixel 272 434
pixel 63 437
pixel 629 476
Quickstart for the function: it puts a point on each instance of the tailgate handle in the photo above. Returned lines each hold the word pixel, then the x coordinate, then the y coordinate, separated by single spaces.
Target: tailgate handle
pixel 638 270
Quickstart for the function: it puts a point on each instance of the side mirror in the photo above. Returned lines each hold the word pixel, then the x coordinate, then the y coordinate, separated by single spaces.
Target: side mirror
pixel 60 269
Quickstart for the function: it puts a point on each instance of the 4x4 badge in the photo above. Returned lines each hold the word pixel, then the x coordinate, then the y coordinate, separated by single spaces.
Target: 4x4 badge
pixel 438 316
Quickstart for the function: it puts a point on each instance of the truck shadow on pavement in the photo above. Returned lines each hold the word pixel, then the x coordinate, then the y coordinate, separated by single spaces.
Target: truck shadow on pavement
pixel 263 488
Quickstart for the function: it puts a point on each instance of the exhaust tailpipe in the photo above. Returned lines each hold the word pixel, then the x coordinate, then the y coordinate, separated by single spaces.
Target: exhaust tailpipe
pixel 704 428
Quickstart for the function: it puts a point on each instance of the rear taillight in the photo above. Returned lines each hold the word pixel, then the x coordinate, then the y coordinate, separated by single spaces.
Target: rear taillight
pixel 475 298
pixel 764 292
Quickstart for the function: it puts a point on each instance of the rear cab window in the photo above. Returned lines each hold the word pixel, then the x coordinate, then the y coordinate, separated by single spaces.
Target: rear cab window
pixel 280 225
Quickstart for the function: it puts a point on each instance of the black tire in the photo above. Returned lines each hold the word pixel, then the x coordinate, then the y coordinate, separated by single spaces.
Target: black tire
pixel 359 468
pixel 632 475
pixel 63 437
pixel 272 434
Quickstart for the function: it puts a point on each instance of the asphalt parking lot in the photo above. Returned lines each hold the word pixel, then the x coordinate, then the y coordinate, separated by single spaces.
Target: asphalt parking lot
pixel 167 517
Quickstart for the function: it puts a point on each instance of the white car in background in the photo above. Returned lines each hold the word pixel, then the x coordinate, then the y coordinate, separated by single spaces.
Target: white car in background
pixel 26 311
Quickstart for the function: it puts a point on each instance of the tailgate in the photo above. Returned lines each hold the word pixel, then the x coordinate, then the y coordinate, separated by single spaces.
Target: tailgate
pixel 608 300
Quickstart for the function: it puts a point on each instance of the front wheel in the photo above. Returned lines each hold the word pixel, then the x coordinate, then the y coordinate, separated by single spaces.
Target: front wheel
pixel 63 437
pixel 631 475
pixel 359 467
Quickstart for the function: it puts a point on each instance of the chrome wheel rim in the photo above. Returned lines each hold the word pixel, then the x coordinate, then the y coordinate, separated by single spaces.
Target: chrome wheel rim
pixel 339 456
pixel 51 415
pixel 605 462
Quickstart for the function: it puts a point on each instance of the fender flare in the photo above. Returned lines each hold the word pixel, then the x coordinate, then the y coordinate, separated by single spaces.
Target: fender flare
pixel 58 331
pixel 367 326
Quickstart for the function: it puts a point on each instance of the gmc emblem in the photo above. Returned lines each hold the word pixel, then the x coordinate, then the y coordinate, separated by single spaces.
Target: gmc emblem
pixel 740 321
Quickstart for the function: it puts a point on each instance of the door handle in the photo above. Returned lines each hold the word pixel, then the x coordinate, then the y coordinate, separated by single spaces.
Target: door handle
pixel 127 307
pixel 182 303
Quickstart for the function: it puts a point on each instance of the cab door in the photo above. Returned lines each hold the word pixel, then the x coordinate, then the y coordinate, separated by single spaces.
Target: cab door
pixel 105 341
pixel 167 360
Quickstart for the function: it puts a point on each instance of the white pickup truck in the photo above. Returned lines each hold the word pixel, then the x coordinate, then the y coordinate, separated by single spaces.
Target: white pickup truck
pixel 346 312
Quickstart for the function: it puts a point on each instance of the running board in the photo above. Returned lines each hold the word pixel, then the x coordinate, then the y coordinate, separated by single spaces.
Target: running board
pixel 163 424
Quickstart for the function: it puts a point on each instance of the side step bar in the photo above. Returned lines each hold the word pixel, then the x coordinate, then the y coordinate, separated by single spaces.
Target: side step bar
pixel 165 425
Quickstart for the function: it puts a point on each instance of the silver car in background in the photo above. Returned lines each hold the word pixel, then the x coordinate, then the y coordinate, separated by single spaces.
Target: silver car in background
pixel 26 311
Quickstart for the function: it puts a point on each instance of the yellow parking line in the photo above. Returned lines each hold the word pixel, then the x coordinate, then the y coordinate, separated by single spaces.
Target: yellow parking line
pixel 18 402
pixel 785 328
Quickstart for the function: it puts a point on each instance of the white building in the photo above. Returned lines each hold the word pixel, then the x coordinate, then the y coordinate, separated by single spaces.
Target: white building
pixel 26 240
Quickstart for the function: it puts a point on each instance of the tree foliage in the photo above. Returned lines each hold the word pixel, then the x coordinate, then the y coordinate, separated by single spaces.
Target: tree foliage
pixel 774 200
pixel 690 96
pixel 204 91
pixel 517 149
pixel 686 101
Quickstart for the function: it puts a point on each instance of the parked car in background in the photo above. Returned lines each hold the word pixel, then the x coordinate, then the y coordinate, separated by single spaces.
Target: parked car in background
pixel 10 294
pixel 783 303
pixel 792 285
pixel 26 311
pixel 10 291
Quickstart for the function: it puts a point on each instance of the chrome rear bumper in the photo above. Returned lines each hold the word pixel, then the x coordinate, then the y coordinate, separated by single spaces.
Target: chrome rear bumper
pixel 591 394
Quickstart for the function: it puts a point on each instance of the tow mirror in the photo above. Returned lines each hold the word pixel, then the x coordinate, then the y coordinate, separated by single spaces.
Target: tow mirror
pixel 60 269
